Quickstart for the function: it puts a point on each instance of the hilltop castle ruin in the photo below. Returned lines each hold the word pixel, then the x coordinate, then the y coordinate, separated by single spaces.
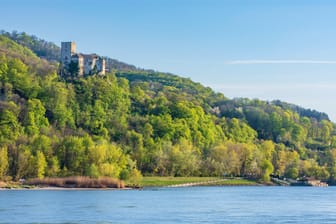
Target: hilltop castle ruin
pixel 79 64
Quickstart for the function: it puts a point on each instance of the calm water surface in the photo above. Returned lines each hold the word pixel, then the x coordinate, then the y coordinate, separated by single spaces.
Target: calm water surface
pixel 171 205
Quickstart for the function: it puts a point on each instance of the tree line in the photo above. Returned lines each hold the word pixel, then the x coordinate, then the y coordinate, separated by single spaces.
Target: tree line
pixel 128 124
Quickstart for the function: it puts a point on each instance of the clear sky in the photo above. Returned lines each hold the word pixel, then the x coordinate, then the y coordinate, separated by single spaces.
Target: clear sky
pixel 266 49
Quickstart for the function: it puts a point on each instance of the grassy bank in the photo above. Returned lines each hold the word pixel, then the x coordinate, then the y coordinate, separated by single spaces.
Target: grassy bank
pixel 236 182
pixel 204 181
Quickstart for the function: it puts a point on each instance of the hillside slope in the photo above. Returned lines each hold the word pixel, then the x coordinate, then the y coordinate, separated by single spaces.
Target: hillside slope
pixel 154 123
pixel 52 52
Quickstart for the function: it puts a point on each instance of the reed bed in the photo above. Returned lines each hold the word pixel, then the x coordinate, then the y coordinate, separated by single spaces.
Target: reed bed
pixel 77 182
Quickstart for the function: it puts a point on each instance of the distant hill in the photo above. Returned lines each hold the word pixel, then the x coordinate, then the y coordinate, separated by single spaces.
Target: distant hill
pixel 302 111
pixel 135 122
pixel 14 50
pixel 43 49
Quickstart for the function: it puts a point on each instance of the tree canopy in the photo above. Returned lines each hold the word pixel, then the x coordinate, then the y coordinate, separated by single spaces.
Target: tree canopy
pixel 136 121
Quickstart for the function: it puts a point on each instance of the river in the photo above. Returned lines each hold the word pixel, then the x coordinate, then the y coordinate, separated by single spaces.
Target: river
pixel 171 205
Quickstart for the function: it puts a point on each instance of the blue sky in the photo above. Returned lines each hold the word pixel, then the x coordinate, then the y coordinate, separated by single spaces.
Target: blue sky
pixel 279 49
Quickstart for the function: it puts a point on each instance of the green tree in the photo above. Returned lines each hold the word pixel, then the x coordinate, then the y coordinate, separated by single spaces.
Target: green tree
pixel 71 154
pixel 26 164
pixel 185 159
pixel 93 171
pixel 41 164
pixel 53 168
pixel 267 169
pixel 35 118
pixel 73 69
pixel 240 131
pixel 98 119
pixel 4 165
pixel 135 142
pixel 57 98
pixel 268 149
pixel 10 128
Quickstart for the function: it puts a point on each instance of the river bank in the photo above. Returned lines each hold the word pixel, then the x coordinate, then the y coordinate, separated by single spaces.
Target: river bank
pixel 76 182
pixel 81 183
pixel 195 181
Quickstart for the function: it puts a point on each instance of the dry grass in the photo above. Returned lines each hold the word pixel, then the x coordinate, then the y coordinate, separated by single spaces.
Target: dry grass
pixel 77 182
pixel 2 184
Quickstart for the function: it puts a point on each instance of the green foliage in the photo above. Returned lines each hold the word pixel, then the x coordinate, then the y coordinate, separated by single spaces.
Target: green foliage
pixel 41 164
pixel 41 48
pixel 3 163
pixel 267 170
pixel 291 125
pixel 129 123
pixel 35 117
pixel 239 131
pixel 10 128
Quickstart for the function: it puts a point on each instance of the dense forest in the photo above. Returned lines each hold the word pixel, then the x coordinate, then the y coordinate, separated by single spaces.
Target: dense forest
pixel 134 122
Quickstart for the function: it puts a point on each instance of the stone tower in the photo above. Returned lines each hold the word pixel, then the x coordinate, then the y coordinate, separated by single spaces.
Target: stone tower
pixel 67 50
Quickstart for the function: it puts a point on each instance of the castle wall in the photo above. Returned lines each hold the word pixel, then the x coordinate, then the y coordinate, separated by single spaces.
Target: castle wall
pixel 87 63
pixel 101 66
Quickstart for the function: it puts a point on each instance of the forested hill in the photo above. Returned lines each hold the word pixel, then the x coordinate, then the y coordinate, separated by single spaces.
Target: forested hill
pixel 52 52
pixel 135 122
